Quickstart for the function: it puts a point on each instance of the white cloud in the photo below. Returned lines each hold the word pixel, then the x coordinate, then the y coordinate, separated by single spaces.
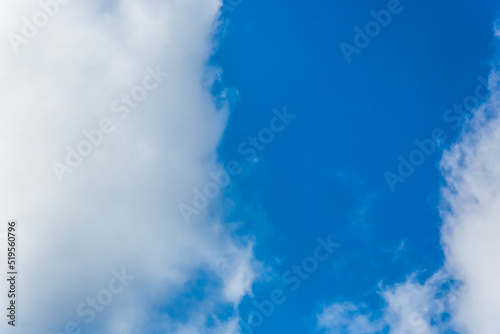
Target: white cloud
pixel 411 308
pixel 470 237
pixel 347 318
pixel 471 214
pixel 118 209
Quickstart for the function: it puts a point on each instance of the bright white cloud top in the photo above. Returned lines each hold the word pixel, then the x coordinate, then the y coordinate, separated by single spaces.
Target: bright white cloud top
pixel 471 241
pixel 101 65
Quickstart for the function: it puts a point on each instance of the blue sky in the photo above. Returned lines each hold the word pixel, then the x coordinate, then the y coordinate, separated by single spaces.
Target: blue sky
pixel 325 173
pixel 200 167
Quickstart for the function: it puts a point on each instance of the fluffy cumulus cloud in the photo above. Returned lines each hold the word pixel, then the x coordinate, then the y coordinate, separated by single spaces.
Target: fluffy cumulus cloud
pixel 463 296
pixel 471 233
pixel 107 125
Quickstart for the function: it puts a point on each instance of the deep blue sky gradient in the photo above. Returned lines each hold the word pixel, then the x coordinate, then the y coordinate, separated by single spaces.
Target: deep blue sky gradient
pixel 324 174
